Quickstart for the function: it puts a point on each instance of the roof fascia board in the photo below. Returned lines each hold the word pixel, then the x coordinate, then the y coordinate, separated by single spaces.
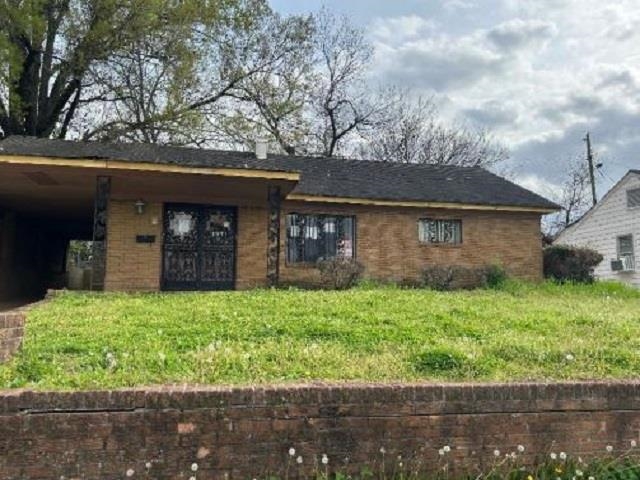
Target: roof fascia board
pixel 147 167
pixel 416 204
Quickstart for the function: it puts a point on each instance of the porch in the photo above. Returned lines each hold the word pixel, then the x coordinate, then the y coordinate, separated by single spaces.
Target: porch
pixel 45 204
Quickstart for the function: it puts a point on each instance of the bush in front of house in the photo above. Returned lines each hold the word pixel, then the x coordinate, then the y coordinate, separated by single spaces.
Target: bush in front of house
pixel 495 276
pixel 457 277
pixel 564 263
pixel 339 273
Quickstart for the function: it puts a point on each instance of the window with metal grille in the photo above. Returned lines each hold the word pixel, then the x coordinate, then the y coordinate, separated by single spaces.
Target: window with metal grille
pixel 633 197
pixel 626 253
pixel 440 231
pixel 317 237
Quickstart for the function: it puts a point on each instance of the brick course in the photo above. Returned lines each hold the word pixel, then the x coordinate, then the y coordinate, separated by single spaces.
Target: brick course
pixel 246 432
pixel 386 243
pixel 11 333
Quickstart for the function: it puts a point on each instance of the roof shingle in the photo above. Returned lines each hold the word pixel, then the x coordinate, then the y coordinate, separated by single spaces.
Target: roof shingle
pixel 329 177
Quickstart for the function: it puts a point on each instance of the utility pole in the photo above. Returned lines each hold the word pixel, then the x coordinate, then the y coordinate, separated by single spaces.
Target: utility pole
pixel 592 178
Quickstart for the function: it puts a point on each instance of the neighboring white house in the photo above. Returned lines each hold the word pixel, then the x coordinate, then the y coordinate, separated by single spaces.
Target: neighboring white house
pixel 612 228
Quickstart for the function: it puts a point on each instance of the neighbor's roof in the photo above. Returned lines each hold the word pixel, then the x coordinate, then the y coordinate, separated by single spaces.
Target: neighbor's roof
pixel 326 177
pixel 594 208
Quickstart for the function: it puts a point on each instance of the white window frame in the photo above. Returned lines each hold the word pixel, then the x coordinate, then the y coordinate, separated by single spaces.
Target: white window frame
pixel 627 258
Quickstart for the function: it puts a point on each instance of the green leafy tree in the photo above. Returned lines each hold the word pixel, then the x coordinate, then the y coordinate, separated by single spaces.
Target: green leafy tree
pixel 127 69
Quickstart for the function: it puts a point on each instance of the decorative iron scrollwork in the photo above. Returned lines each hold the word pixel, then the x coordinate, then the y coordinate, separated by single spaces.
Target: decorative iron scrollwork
pixel 199 247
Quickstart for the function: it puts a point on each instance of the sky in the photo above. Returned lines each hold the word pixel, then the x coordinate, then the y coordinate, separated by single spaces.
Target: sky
pixel 538 74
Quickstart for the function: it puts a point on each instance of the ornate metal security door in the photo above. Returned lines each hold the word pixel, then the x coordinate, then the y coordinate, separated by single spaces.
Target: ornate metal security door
pixel 199 247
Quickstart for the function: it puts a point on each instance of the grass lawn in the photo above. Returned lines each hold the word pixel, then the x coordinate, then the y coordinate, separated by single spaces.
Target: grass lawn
pixel 370 333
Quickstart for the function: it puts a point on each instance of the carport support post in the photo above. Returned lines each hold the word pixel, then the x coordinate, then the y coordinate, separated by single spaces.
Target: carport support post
pixel 100 218
pixel 273 238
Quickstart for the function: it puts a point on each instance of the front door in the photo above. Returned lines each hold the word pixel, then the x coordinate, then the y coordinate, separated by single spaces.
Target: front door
pixel 199 247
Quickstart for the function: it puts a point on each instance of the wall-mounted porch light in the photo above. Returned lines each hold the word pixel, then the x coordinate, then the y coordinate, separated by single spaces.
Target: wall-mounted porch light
pixel 140 206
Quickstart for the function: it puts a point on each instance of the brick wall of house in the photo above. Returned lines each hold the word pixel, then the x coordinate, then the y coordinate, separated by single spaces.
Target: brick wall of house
pixel 387 242
pixel 131 265
pixel 135 266
pixel 11 333
pixel 246 432
pixel 251 268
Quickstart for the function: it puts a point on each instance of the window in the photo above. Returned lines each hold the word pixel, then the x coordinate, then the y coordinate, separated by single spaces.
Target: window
pixel 447 232
pixel 625 252
pixel 316 237
pixel 633 197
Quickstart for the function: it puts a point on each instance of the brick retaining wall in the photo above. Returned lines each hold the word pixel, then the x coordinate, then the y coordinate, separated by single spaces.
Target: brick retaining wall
pixel 246 432
pixel 11 333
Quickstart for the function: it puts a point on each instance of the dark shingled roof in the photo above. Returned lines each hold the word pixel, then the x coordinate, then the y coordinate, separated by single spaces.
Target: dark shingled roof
pixel 331 177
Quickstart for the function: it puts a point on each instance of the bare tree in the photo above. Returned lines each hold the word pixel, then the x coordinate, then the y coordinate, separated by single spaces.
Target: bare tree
pixel 341 101
pixel 411 132
pixel 574 196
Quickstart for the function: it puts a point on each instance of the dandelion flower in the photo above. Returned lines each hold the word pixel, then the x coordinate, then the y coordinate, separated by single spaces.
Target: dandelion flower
pixel 579 473
pixel 147 465
pixel 292 452
pixel 382 450
pixel 441 452
pixel 400 464
pixel 446 448
pixel 325 459
pixel 609 449
pixel 194 467
pixel 520 448
pixel 553 456
pixel 496 453
pixel 592 478
pixel 563 456
pixel 634 444
pixel 569 357
pixel 513 455
pixel 192 477
pixel 130 472
pixel 299 460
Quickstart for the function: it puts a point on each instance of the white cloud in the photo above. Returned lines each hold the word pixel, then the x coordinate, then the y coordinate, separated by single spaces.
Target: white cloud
pixel 455 5
pixel 539 74
pixel 518 33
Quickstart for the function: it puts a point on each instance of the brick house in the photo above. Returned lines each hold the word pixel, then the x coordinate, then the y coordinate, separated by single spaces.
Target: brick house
pixel 169 218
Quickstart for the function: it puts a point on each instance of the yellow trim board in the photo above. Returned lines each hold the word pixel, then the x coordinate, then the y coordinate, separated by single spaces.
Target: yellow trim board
pixel 146 167
pixel 400 203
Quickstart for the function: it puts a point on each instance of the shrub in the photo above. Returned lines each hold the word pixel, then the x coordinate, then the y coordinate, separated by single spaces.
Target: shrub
pixel 495 276
pixel 340 273
pixel 438 277
pixel 575 264
pixel 455 277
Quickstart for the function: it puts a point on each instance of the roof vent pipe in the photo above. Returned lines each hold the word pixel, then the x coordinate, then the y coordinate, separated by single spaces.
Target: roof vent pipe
pixel 262 146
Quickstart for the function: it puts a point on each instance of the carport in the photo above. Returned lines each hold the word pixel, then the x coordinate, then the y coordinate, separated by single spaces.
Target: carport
pixel 42 208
